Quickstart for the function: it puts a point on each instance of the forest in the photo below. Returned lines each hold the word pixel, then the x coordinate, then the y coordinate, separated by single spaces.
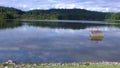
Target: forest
pixel 113 17
pixel 52 14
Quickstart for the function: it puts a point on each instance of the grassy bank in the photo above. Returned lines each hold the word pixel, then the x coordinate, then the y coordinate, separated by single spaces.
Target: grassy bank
pixel 74 67
pixel 11 64
pixel 27 66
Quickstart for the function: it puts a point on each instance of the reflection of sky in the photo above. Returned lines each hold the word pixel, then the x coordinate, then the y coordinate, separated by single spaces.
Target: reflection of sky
pixel 28 43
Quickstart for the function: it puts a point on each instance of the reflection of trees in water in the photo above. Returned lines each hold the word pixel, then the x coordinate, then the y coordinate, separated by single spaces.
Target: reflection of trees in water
pixel 64 25
pixel 14 23
pixel 9 24
pixel 116 25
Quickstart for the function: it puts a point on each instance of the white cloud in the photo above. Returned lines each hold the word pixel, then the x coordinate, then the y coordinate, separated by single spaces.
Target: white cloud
pixel 96 5
pixel 60 6
pixel 24 6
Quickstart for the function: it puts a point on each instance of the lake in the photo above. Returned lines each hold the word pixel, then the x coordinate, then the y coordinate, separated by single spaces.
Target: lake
pixel 58 41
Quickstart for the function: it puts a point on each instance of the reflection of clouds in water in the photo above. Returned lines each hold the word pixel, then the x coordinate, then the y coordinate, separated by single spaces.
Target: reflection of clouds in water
pixel 118 33
pixel 47 44
pixel 29 31
pixel 9 48
pixel 104 28
pixel 62 31
pixel 32 47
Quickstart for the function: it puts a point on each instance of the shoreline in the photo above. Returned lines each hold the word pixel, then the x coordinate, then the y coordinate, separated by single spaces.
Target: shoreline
pixel 103 63
pixel 11 64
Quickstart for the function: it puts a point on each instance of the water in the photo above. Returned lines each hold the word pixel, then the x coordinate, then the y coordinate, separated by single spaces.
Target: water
pixel 38 41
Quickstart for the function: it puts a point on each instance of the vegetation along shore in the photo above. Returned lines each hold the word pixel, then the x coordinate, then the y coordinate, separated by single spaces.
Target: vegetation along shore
pixel 11 64
pixel 58 14
pixel 52 14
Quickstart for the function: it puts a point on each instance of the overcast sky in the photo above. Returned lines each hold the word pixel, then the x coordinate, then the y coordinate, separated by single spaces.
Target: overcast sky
pixel 94 5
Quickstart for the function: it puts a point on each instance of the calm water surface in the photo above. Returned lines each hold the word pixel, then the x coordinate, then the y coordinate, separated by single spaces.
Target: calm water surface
pixel 57 42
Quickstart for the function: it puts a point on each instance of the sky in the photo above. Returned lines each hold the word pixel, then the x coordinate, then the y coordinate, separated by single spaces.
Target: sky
pixel 93 5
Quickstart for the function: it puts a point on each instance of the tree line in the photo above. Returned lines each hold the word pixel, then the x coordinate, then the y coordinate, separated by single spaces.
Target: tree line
pixel 113 17
pixel 51 14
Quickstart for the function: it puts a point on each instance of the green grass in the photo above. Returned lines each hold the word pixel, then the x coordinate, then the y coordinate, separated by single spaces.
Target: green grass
pixel 76 67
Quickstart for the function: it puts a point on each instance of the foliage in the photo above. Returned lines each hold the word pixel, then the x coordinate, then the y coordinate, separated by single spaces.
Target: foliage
pixel 61 14
pixel 9 13
pixel 65 14
pixel 114 17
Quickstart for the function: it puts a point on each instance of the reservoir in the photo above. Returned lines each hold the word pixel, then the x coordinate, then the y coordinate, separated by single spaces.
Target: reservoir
pixel 52 41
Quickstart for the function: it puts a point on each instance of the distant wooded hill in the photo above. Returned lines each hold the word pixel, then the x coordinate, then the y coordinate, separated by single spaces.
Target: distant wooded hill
pixel 113 17
pixel 52 14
